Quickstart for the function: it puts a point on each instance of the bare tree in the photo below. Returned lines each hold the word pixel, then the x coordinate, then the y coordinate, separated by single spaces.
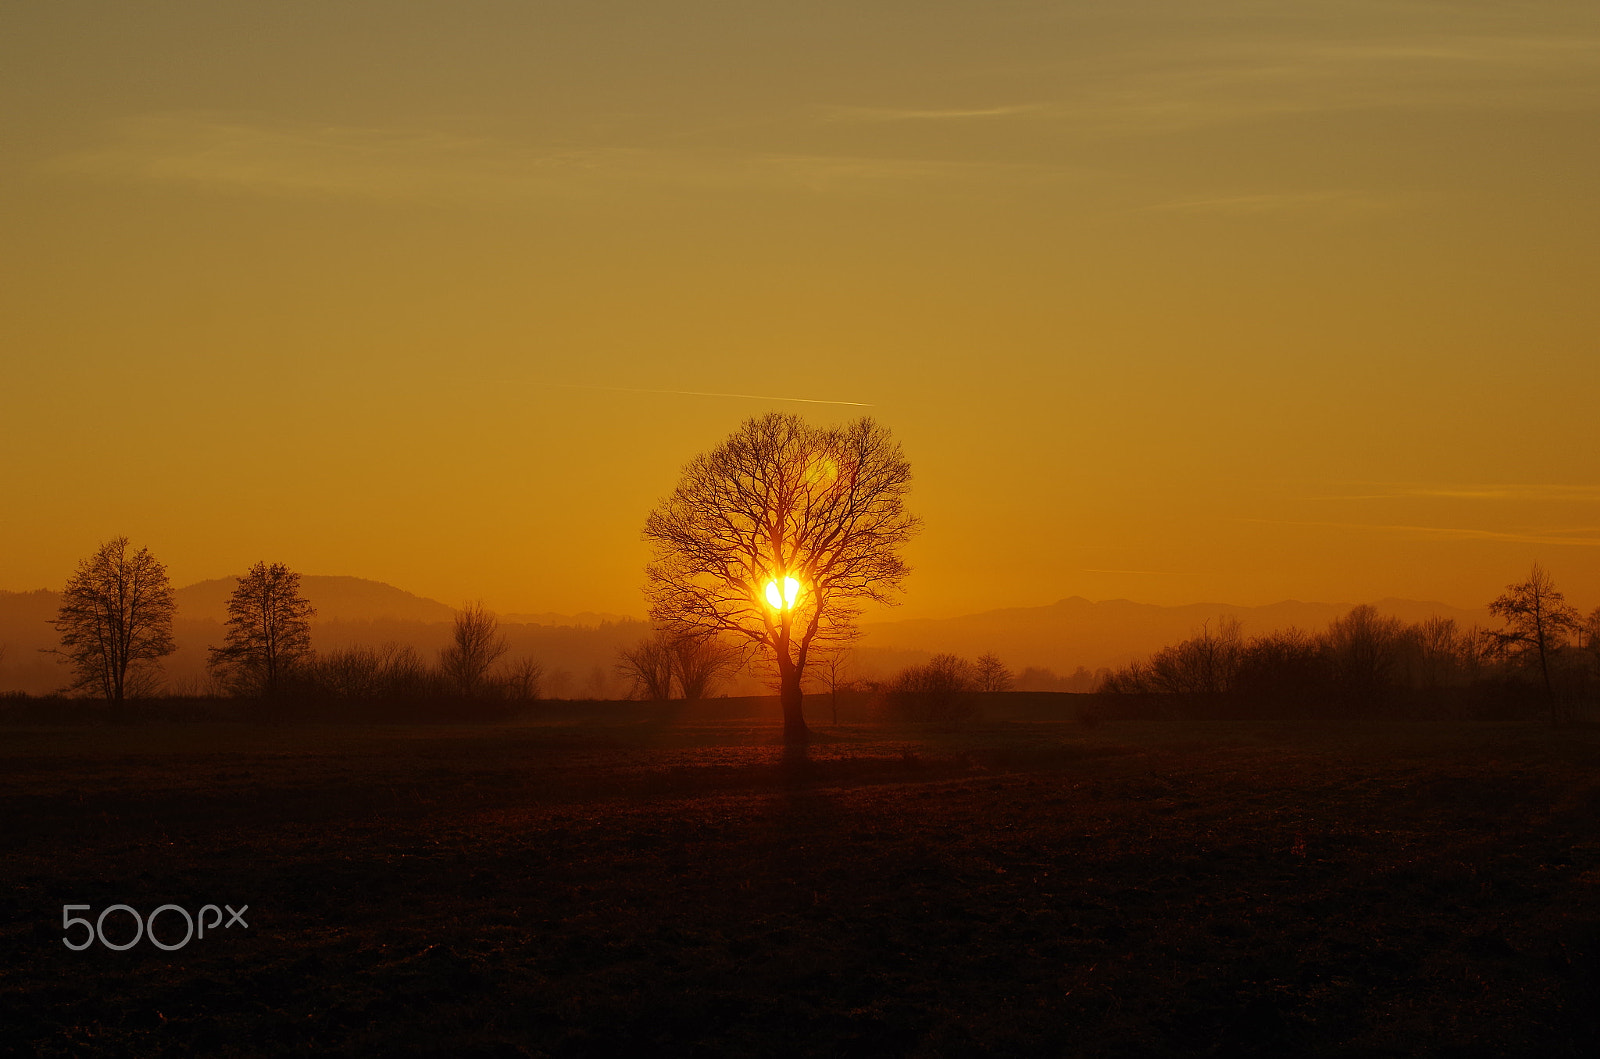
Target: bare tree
pixel 940 690
pixel 836 659
pixel 477 645
pixel 1281 666
pixel 1589 633
pixel 1537 621
pixel 115 621
pixel 696 662
pixel 701 662
pixel 649 667
pixel 522 683
pixel 1436 653
pixel 1205 664
pixel 777 537
pixel 389 673
pixel 993 674
pixel 1363 648
pixel 269 631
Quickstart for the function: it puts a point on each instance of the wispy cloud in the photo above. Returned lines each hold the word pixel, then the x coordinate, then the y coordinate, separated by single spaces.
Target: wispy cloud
pixel 1520 492
pixel 878 114
pixel 281 158
pixel 1273 202
pixel 703 393
pixel 1197 83
pixel 1158 87
pixel 1579 537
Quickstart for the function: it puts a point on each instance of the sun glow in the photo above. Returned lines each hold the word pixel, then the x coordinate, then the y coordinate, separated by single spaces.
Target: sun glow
pixel 785 599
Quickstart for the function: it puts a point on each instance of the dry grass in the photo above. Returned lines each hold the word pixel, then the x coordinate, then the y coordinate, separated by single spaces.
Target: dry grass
pixel 1009 889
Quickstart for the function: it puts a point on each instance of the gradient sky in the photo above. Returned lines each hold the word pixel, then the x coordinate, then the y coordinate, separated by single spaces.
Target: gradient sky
pixel 1235 301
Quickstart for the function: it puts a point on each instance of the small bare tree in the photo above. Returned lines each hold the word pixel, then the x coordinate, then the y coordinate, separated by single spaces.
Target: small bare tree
pixel 940 690
pixel 522 683
pixel 649 667
pixel 115 622
pixel 477 645
pixel 1538 620
pixel 694 662
pixel 833 664
pixel 701 662
pixel 993 674
pixel 1364 649
pixel 269 631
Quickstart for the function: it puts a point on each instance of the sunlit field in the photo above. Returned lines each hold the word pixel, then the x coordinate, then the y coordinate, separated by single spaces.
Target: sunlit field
pixel 632 886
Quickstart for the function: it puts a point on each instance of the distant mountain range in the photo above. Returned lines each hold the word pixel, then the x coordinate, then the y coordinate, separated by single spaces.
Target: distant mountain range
pixel 579 651
pixel 358 599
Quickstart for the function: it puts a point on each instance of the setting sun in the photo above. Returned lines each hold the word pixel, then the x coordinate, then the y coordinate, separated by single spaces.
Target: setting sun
pixel 786 599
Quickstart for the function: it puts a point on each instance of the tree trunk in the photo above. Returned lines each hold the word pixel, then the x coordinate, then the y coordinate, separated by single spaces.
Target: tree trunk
pixel 1544 667
pixel 795 732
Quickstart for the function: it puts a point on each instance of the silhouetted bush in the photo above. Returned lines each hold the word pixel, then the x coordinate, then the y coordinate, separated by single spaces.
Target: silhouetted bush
pixel 392 682
pixel 1364 663
pixel 945 689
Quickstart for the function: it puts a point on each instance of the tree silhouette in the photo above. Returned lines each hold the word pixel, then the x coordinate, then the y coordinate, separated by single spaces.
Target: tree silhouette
pixel 992 674
pixel 648 666
pixel 836 659
pixel 777 537
pixel 701 662
pixel 1363 649
pixel 696 661
pixel 1538 620
pixel 269 631
pixel 940 690
pixel 477 646
pixel 522 683
pixel 115 621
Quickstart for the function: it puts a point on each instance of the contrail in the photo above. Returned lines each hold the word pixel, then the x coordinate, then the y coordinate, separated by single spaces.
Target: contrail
pixel 701 393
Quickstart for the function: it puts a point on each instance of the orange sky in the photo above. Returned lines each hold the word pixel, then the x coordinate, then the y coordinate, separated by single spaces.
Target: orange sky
pixel 1169 301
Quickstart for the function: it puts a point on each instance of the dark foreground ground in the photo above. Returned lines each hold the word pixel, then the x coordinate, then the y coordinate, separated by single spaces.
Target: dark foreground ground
pixel 637 888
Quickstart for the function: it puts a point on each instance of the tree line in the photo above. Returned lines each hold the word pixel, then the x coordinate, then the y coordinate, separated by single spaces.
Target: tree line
pixel 115 627
pixel 1545 652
